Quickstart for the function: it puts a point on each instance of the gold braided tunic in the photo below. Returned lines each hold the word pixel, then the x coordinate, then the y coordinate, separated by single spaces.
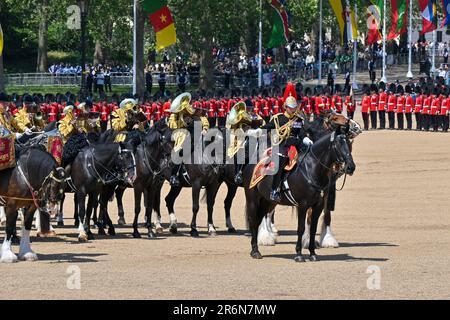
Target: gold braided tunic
pixel 120 125
pixel 6 120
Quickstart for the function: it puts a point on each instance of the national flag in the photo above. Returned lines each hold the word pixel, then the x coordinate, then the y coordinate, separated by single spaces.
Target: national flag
pixel 280 30
pixel 162 22
pixel 374 17
pixel 399 14
pixel 1 40
pixel 346 20
pixel 429 16
pixel 446 9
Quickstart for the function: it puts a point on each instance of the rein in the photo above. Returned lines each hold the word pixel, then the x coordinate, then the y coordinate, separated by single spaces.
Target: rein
pixel 113 174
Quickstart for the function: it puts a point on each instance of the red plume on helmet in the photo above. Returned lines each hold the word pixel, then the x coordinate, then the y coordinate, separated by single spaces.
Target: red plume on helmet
pixel 289 91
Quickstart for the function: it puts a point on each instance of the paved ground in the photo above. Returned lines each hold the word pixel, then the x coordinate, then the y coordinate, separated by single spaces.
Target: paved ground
pixel 393 215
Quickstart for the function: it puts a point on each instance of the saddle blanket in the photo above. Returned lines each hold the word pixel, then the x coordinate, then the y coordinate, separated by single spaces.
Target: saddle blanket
pixel 7 152
pixel 266 167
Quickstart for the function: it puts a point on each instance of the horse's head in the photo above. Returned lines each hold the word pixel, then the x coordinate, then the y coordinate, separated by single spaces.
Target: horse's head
pixel 52 190
pixel 165 138
pixel 342 152
pixel 126 163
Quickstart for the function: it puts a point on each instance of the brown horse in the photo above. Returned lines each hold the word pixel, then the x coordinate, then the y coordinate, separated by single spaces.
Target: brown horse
pixel 35 183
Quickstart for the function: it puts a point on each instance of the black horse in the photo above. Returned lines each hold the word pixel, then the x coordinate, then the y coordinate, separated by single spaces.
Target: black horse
pixel 35 183
pixel 94 167
pixel 303 188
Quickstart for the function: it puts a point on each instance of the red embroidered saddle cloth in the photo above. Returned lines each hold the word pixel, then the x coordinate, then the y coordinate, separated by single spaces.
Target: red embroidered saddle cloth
pixel 266 167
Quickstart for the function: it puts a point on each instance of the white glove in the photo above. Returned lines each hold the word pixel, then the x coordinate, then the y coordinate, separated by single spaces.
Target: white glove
pixel 18 135
pixel 28 131
pixel 307 141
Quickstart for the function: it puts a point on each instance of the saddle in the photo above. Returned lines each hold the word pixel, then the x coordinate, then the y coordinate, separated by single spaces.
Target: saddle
pixel 267 167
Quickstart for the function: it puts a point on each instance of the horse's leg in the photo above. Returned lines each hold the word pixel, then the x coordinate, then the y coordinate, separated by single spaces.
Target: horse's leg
pixel 60 215
pixel 11 218
pixel 119 196
pixel 316 211
pixel 231 193
pixel 76 216
pixel 103 212
pixel 327 239
pixel 272 223
pixel 25 252
pixel 92 203
pixel 196 187
pixel 137 209
pixel 254 217
pixel 157 210
pixel 2 216
pixel 211 193
pixel 300 231
pixel 148 201
pixel 305 239
pixel 266 236
pixel 170 201
pixel 81 198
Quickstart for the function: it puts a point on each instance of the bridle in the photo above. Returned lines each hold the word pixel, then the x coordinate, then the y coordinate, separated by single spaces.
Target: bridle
pixel 157 164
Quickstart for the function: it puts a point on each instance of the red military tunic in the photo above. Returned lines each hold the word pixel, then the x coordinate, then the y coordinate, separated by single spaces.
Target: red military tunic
pixel 392 103
pixel 211 106
pixel 409 104
pixel 156 113
pixel 382 101
pixel 337 103
pixel 320 105
pixel 445 107
pixel 435 106
pixel 221 111
pixel 419 103
pixel 426 105
pixel 349 106
pixel 373 102
pixel 52 112
pixel 265 108
pixel 365 104
pixel 401 104
pixel 105 111
pixel 166 109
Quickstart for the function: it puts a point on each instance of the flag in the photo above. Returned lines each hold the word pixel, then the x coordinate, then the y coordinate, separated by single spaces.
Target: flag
pixel 429 17
pixel 446 9
pixel 162 22
pixel 346 20
pixel 399 14
pixel 374 21
pixel 1 40
pixel 280 30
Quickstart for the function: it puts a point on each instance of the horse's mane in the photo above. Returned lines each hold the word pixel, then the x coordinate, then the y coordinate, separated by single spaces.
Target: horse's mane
pixel 20 150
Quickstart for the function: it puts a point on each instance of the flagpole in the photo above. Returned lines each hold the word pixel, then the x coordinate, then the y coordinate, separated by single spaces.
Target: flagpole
pixel 410 74
pixel 355 50
pixel 433 68
pixel 134 47
pixel 383 78
pixel 320 45
pixel 260 46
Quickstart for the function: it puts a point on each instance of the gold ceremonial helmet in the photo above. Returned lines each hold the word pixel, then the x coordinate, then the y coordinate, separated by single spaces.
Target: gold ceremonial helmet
pixel 128 104
pixel 291 102
pixel 235 114
pixel 182 102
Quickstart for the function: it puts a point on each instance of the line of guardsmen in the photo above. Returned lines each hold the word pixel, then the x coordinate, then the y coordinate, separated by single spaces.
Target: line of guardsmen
pixel 428 104
pixel 51 107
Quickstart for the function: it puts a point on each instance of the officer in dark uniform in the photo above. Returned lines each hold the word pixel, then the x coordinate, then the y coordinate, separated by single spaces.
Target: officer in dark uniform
pixel 290 132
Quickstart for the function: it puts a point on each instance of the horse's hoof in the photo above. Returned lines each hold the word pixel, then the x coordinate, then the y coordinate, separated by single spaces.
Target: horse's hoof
pixel 232 230
pixel 49 234
pixel 90 236
pixel 152 235
pixel 76 224
pixel 29 256
pixel 313 258
pixel 121 221
pixel 111 231
pixel 15 240
pixel 60 223
pixel 8 257
pixel 136 234
pixel 256 255
pixel 82 238
pixel 299 258
pixel 101 232
pixel 159 230
pixel 194 233
pixel 173 229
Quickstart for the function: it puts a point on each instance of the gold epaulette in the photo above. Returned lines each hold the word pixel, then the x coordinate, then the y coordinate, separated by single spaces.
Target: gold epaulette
pixel 65 125
pixel 119 121
pixel 22 120
pixel 5 123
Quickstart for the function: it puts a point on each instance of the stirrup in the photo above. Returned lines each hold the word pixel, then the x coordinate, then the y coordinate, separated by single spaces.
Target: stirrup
pixel 275 196
pixel 238 178
pixel 174 181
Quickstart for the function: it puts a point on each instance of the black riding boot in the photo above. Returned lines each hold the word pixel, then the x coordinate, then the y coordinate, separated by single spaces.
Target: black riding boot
pixel 174 181
pixel 275 195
